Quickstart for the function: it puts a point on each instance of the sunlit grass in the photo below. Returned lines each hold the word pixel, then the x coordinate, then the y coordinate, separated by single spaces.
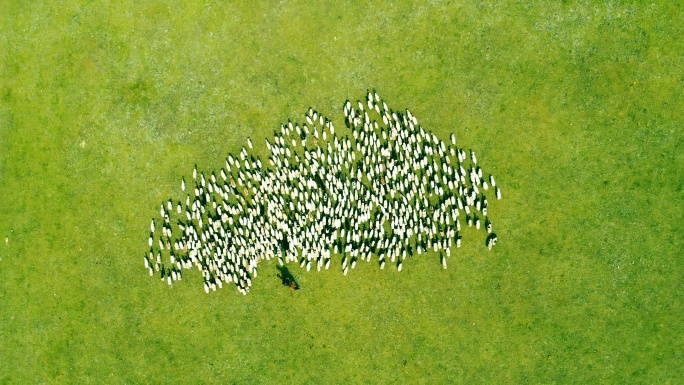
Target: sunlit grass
pixel 575 107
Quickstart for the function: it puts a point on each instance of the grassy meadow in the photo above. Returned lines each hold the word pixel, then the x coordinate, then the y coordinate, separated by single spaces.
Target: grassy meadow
pixel 575 107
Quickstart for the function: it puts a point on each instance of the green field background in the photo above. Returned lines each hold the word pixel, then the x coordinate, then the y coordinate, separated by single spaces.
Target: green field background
pixel 575 107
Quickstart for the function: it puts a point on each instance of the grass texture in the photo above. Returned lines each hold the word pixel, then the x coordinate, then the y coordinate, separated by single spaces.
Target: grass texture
pixel 575 107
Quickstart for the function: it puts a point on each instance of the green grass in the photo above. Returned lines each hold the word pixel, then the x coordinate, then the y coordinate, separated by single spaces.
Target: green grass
pixel 576 107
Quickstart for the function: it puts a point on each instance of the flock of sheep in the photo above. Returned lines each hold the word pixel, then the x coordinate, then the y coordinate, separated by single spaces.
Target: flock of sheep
pixel 387 190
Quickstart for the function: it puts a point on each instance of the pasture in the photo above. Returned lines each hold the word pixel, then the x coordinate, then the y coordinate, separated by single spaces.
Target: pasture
pixel 576 107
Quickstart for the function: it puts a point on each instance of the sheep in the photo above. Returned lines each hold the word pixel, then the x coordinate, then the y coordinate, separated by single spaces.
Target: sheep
pixel 393 182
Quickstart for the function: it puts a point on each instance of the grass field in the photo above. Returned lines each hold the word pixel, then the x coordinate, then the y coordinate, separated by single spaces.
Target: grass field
pixel 576 107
